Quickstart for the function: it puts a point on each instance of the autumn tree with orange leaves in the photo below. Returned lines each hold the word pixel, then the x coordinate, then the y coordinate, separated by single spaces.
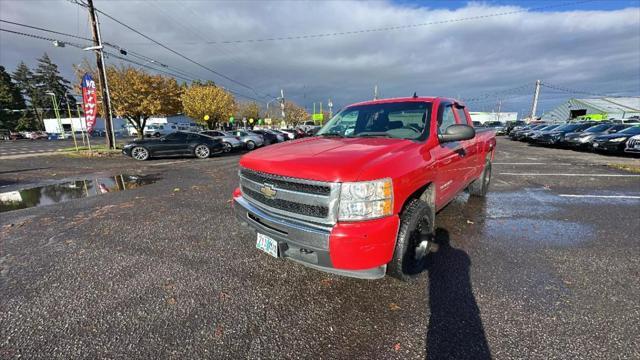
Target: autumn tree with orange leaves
pixel 136 95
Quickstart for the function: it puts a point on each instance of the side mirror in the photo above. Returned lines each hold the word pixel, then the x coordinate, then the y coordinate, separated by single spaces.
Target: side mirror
pixel 457 132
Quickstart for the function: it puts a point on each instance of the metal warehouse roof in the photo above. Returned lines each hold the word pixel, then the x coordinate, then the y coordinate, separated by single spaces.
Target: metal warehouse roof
pixel 612 106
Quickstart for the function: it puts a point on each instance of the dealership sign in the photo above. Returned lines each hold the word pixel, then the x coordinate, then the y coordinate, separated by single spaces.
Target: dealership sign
pixel 90 101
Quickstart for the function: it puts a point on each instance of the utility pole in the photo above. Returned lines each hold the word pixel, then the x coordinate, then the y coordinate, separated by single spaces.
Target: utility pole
pixel 534 107
pixel 102 76
pixel 499 108
pixel 375 92
pixel 330 105
pixel 282 102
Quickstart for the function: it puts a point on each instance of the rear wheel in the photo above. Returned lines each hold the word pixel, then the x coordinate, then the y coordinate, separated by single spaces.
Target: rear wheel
pixel 414 241
pixel 480 186
pixel 226 147
pixel 140 153
pixel 251 145
pixel 202 151
pixel 156 134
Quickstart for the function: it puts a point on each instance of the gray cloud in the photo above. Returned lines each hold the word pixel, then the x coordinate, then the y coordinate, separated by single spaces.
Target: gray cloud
pixel 597 51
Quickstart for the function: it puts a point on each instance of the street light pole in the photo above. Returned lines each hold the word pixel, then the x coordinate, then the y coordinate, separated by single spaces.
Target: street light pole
pixel 102 75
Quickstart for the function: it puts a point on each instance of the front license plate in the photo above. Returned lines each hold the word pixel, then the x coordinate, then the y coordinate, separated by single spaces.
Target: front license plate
pixel 267 245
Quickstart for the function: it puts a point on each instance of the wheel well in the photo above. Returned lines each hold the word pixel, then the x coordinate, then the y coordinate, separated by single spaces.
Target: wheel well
pixel 427 194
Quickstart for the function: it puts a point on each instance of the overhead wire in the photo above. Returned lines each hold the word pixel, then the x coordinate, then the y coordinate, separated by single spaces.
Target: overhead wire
pixel 182 55
pixel 399 27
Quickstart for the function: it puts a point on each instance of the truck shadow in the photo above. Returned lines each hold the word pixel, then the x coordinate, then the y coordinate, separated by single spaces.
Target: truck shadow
pixel 455 329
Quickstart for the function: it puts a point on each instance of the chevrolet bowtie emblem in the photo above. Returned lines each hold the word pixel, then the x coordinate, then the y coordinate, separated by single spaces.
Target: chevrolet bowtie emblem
pixel 268 191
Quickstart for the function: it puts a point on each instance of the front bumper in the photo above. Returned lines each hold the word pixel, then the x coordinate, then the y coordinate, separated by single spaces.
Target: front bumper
pixel 359 250
pixel 609 146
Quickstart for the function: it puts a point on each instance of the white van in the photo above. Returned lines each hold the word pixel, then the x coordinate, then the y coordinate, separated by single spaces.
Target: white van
pixel 158 130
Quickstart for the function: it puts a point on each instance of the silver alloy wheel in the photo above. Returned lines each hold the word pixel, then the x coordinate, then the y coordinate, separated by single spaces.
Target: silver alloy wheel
pixel 139 153
pixel 251 145
pixel 227 147
pixel 202 151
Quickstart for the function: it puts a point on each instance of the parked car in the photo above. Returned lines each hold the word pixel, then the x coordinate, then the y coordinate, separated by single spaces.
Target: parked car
pixel 615 143
pixel 285 136
pixel 230 143
pixel 633 145
pixel 37 135
pixel 533 134
pixel 557 136
pixel 157 130
pixel 291 133
pixel 497 126
pixel 250 139
pixel 511 125
pixel 176 143
pixel 363 203
pixel 519 134
pixel 582 140
pixel 268 136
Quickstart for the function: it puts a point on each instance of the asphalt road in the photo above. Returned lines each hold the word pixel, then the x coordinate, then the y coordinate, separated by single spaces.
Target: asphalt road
pixel 546 266
pixel 26 146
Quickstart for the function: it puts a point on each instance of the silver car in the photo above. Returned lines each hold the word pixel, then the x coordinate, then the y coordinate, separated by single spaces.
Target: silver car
pixel 250 139
pixel 230 142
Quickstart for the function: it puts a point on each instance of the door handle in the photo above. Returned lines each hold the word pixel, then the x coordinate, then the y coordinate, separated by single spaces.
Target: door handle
pixel 461 152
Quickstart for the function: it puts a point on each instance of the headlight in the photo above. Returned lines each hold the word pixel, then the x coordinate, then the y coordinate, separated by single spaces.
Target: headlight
pixel 617 140
pixel 586 138
pixel 366 200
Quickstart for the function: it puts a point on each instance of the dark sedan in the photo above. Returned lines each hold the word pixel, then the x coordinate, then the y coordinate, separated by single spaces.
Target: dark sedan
pixel 177 143
pixel 583 139
pixel 557 135
pixel 615 143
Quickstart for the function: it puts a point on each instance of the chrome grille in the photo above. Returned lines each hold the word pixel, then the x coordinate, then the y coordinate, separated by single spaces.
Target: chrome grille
pixel 632 142
pixel 307 200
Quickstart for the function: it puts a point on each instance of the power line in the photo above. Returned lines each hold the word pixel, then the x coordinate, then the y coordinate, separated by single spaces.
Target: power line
pixel 484 97
pixel 574 91
pixel 46 30
pixel 181 55
pixel 122 51
pixel 42 38
pixel 400 27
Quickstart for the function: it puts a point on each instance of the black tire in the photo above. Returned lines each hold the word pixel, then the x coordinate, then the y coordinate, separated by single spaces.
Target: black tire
pixel 201 151
pixel 251 145
pixel 140 153
pixel 480 186
pixel 227 147
pixel 156 134
pixel 410 252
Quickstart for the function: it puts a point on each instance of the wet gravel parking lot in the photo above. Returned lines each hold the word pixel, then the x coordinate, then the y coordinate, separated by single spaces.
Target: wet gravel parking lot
pixel 546 266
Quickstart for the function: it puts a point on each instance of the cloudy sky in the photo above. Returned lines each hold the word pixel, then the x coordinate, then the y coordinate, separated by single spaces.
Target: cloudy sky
pixel 478 50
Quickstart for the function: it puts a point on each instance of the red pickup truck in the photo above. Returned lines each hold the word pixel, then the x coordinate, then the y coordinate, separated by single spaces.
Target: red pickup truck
pixel 359 198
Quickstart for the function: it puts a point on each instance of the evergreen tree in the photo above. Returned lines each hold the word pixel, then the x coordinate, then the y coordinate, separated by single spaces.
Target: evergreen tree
pixel 12 105
pixel 48 80
pixel 26 83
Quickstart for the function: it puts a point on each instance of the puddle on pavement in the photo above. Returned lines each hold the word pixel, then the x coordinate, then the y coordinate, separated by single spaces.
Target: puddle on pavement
pixel 69 190
pixel 537 232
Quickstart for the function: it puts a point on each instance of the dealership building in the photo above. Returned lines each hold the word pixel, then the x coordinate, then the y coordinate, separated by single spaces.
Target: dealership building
pixel 604 107
pixel 484 117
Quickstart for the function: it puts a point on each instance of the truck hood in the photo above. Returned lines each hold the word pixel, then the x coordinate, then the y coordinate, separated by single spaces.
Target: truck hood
pixel 323 159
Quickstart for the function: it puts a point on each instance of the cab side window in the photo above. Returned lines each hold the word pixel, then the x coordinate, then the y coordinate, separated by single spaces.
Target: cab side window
pixel 445 118
pixel 462 116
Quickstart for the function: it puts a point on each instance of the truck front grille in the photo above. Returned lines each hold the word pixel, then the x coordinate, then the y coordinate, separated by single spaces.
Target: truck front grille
pixel 307 210
pixel 303 199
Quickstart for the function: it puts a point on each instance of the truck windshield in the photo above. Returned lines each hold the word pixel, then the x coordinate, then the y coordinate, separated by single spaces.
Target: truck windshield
pixel 403 120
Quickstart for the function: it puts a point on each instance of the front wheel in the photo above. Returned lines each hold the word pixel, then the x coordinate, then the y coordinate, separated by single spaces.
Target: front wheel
pixel 480 186
pixel 413 243
pixel 140 153
pixel 202 151
pixel 251 145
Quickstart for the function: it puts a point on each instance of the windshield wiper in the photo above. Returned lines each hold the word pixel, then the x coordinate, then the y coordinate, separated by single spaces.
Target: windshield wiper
pixel 373 134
